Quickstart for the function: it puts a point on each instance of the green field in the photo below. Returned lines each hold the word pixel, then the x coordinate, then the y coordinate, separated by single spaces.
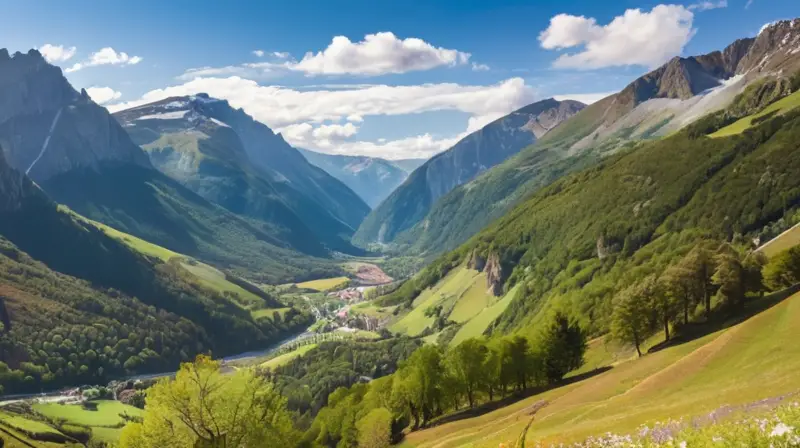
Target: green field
pixel 755 359
pixel 107 413
pixel 269 312
pixel 286 357
pixel 778 107
pixel 780 243
pixel 478 324
pixel 213 278
pixel 27 425
pixel 465 299
pixel 323 284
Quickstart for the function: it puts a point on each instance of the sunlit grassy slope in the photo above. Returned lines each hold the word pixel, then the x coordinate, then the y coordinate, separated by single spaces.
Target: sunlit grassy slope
pixel 776 108
pixel 286 357
pixel 755 359
pixel 324 284
pixel 464 298
pixel 780 243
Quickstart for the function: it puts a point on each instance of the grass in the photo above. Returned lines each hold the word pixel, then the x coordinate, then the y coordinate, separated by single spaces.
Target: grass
pixel 137 244
pixel 778 107
pixel 285 358
pixel 372 310
pixel 780 243
pixel 269 312
pixel 480 322
pixel 107 413
pixel 27 425
pixel 755 359
pixel 107 435
pixel 472 301
pixel 324 284
pixel 215 279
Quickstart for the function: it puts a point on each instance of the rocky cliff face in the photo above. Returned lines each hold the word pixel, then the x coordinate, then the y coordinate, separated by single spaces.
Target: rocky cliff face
pixel 474 154
pixel 48 128
pixel 14 187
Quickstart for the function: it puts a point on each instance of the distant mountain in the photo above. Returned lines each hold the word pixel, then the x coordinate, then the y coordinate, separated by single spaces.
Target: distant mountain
pixel 225 156
pixel 475 153
pixel 372 178
pixel 81 156
pixel 652 106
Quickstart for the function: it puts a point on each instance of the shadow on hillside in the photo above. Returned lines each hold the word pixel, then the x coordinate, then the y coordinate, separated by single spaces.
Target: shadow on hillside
pixel 721 321
pixel 485 408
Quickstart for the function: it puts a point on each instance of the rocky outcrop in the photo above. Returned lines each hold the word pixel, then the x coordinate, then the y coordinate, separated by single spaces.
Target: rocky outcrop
pixel 48 128
pixel 494 274
pixel 476 261
pixel 14 187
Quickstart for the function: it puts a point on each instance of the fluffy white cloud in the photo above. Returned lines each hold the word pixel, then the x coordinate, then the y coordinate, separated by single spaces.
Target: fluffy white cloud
pixel 634 38
pixel 106 56
pixel 377 54
pixel 102 95
pixel 295 113
pixel 706 5
pixel 280 54
pixel 258 53
pixel 57 53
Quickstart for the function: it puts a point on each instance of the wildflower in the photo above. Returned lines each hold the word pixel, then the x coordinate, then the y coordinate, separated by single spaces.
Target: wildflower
pixel 780 430
pixel 682 444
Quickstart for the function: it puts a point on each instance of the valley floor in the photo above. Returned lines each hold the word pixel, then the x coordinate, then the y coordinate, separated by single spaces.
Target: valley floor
pixel 756 359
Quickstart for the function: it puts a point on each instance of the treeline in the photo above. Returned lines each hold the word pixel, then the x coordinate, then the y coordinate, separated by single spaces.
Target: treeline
pixel 712 277
pixel 434 381
pixel 308 380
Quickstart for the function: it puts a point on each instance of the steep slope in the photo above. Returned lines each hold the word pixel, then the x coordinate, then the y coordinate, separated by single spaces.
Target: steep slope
pixel 372 178
pixel 186 142
pixel 655 105
pixel 80 155
pixel 476 153
pixel 66 287
pixel 574 244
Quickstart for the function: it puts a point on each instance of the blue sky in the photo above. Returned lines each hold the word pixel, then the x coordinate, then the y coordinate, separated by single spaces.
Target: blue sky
pixel 431 72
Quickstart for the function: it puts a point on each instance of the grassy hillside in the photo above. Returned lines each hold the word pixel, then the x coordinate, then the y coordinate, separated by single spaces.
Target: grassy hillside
pixel 779 107
pixel 577 242
pixel 745 363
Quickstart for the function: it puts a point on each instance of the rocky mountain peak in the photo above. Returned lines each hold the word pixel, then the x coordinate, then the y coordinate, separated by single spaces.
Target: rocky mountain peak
pixel 48 128
pixel 775 49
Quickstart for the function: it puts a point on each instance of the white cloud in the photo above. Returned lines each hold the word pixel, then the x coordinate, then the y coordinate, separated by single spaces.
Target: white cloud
pixel 634 38
pixel 377 54
pixel 295 113
pixel 706 5
pixel 57 53
pixel 335 131
pixel 585 98
pixel 280 54
pixel 102 95
pixel 747 5
pixel 479 67
pixel 258 53
pixel 106 56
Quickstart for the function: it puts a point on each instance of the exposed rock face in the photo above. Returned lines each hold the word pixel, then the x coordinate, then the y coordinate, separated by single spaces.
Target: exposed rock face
pixel 476 261
pixel 776 48
pixel 48 128
pixel 474 154
pixel 225 156
pixel 14 187
pixel 494 274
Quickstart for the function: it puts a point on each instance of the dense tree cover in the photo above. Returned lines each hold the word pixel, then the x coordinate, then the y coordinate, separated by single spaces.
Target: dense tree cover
pixel 201 407
pixel 58 330
pixel 783 270
pixel 308 380
pixel 580 241
pixel 434 381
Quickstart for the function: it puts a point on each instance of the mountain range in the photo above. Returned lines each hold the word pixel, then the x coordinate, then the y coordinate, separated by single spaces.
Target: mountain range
pixel 372 178
pixel 408 205
pixel 653 106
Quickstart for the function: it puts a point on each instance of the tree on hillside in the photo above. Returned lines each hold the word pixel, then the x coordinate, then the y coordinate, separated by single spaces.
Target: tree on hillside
pixel 419 384
pixel 783 270
pixel 700 263
pixel 753 272
pixel 677 280
pixel 665 302
pixel 729 276
pixel 203 408
pixel 562 346
pixel 630 322
pixel 466 362
pixel 522 361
